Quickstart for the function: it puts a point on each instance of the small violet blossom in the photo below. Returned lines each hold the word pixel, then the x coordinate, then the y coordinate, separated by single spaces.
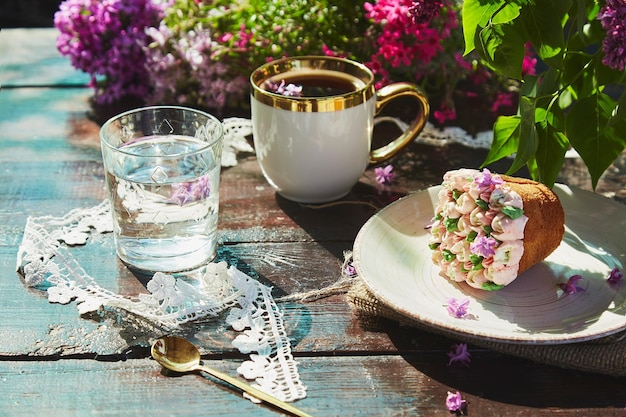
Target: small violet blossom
pixel 615 276
pixel 457 308
pixel 455 402
pixel 350 270
pixel 459 355
pixel 484 246
pixel 384 175
pixel 186 192
pixel 485 180
pixel 571 287
pixel 289 90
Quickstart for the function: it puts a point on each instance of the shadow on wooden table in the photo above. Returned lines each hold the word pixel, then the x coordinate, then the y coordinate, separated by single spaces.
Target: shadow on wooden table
pixel 493 375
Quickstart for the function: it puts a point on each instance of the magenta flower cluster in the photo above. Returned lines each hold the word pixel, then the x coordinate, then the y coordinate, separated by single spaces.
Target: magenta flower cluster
pixel 105 39
pixel 406 37
pixel 613 18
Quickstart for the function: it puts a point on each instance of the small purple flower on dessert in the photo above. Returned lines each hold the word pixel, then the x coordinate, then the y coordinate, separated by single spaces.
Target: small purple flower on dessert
pixel 615 276
pixel 457 308
pixel 460 355
pixel 486 180
pixel 484 246
pixel 384 175
pixel 571 287
pixel 455 402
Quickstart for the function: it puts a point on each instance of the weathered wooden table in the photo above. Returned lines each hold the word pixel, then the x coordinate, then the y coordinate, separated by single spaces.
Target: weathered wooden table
pixel 55 362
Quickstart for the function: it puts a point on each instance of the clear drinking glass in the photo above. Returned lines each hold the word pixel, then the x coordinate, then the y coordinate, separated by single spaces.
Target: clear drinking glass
pixel 162 169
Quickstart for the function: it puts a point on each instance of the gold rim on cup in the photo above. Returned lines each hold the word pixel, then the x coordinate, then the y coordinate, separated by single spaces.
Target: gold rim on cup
pixel 313 104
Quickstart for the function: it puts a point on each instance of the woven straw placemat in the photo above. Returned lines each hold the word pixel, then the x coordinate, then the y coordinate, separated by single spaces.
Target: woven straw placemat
pixel 604 356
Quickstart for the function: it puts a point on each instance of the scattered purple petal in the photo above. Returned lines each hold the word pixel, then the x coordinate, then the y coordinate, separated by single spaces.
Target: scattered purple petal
pixel 455 402
pixel 457 308
pixel 384 175
pixel 571 287
pixel 459 355
pixel 350 270
pixel 615 276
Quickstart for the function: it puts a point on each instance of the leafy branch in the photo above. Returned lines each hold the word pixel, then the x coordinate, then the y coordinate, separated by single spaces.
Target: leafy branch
pixel 574 102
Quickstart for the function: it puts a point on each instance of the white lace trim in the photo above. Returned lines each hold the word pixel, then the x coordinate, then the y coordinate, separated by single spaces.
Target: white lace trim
pixel 235 131
pixel 45 261
pixel 443 136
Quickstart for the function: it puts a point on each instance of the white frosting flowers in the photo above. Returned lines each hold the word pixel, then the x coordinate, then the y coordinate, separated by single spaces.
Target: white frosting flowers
pixel 478 229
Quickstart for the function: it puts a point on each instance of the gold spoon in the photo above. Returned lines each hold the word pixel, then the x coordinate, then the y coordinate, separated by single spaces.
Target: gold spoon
pixel 180 355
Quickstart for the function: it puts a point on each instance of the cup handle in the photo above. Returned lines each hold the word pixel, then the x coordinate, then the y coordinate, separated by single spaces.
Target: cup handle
pixel 383 97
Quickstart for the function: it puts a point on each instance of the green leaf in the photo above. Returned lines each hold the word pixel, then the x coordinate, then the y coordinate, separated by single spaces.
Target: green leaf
pixel 550 153
pixel 528 141
pixel 491 286
pixel 505 139
pixel 543 27
pixel 597 141
pixel 512 212
pixel 477 14
pixel 502 49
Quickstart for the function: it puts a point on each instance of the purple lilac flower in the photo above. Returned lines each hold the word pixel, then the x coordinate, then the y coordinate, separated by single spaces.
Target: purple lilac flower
pixel 485 180
pixel 186 192
pixel 289 90
pixel 613 18
pixel 460 355
pixel 181 69
pixel 484 246
pixel 571 287
pixel 350 270
pixel 423 11
pixel 105 39
pixel 615 276
pixel 384 175
pixel 457 308
pixel 455 402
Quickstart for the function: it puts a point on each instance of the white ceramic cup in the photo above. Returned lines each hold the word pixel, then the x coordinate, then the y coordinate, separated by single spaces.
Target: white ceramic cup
pixel 314 148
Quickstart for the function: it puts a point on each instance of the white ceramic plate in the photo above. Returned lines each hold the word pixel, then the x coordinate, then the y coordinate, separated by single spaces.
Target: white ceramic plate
pixel 391 254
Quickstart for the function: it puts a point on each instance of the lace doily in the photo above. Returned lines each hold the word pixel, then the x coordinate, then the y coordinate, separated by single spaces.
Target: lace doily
pixel 45 262
pixel 443 136
pixel 235 131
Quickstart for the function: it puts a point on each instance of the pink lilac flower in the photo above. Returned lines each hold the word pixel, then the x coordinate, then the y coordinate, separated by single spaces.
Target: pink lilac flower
pixel 457 308
pixel 571 287
pixel 484 246
pixel 615 276
pixel 423 11
pixel 403 41
pixel 529 63
pixel 459 355
pixel 455 402
pixel 444 114
pixel 613 18
pixel 384 175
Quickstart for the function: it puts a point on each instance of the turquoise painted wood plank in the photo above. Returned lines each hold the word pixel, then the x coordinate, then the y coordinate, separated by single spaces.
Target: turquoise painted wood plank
pixel 29 57
pixel 378 386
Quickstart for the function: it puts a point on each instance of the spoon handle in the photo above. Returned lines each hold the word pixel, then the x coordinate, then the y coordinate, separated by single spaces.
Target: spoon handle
pixel 256 393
